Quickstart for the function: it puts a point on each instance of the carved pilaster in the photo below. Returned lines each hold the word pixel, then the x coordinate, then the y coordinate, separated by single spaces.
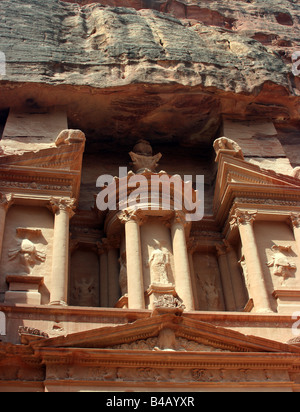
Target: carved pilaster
pixel 63 211
pixel 6 200
pixel 238 283
pixel 103 275
pixel 183 278
pixel 295 223
pixel 226 277
pixel 113 246
pixel 133 219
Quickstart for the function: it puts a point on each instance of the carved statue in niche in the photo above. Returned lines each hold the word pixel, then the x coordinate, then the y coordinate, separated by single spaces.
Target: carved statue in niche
pixel 142 157
pixel 123 275
pixel 281 262
pixel 26 250
pixel 211 294
pixel 160 264
pixel 84 292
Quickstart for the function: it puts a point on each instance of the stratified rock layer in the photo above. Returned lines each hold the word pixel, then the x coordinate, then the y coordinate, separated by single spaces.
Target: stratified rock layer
pixel 165 70
pixel 64 43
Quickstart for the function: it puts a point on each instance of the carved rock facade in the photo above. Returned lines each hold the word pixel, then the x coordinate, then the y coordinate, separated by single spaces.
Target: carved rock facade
pixel 140 295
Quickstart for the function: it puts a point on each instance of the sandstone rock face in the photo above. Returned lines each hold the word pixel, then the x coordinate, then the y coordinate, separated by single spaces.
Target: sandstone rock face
pixel 60 43
pixel 165 70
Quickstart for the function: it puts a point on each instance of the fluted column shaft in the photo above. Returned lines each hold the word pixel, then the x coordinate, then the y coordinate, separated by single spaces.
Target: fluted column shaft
pixel 63 210
pixel 258 291
pixel 181 262
pixel 226 278
pixel 132 221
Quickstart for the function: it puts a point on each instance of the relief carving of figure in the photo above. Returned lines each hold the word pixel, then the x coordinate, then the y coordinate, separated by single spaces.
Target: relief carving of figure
pixel 160 264
pixel 27 252
pixel 84 292
pixel 281 262
pixel 211 293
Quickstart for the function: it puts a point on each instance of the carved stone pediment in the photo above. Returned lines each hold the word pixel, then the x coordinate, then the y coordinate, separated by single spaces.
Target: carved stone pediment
pixel 237 178
pixel 160 333
pixel 169 342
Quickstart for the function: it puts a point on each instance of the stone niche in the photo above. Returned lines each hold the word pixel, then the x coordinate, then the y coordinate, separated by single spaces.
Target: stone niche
pixel 84 282
pixel 26 262
pixel 158 263
pixel 209 293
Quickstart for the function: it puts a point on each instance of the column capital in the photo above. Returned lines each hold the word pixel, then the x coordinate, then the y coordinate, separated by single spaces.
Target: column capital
pixel 136 215
pixel 295 219
pixel 243 217
pixel 6 200
pixel 66 204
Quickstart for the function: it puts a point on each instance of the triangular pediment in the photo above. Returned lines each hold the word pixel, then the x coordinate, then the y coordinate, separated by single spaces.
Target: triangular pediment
pixel 163 333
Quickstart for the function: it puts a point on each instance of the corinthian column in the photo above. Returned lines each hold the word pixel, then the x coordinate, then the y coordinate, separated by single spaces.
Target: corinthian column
pixel 63 210
pixel 181 262
pixel 258 291
pixel 133 220
pixel 6 201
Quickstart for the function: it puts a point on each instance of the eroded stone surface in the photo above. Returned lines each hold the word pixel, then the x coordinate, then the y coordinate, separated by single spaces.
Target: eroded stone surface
pixel 112 46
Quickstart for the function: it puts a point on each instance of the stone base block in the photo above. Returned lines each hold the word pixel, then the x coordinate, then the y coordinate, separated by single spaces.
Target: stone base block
pixel 23 289
pixel 288 300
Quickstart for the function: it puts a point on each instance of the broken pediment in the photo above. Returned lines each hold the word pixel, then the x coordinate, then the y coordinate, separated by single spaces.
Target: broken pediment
pixel 239 178
pixel 164 333
pixel 54 170
pixel 65 156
